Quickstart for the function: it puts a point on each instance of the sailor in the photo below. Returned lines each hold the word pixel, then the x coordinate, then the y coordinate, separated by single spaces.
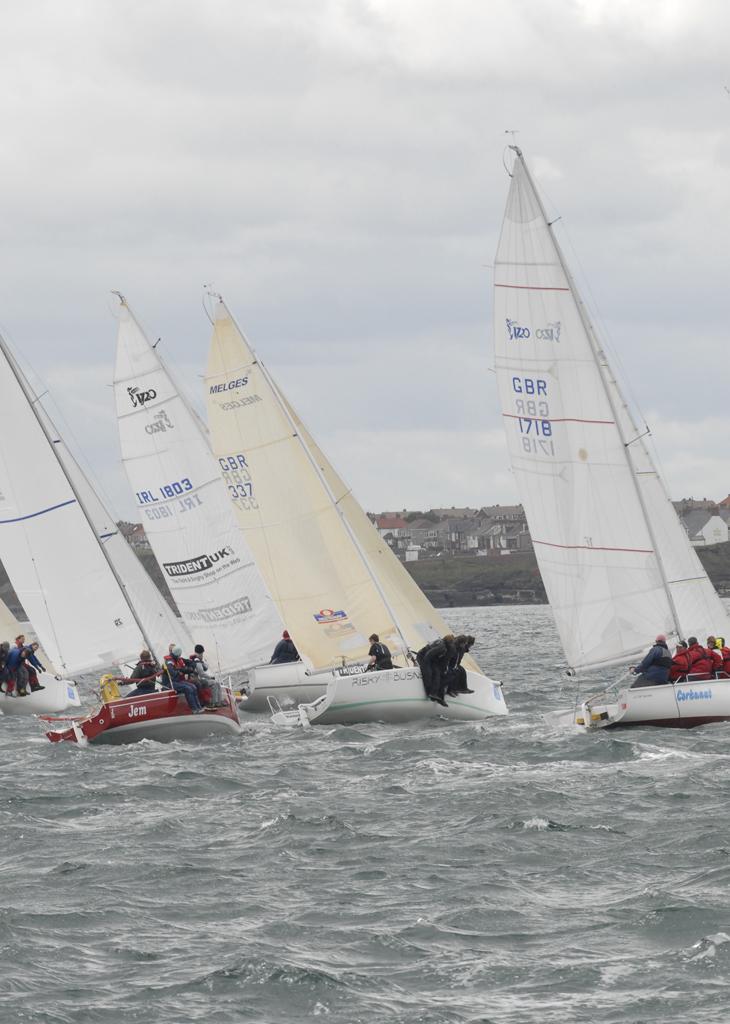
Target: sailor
pixel 432 660
pixel 380 658
pixel 284 651
pixel 31 664
pixel 724 653
pixel 455 675
pixel 680 662
pixel 654 669
pixel 15 663
pixel 178 673
pixel 145 674
pixel 715 656
pixel 701 663
pixel 208 686
pixel 4 674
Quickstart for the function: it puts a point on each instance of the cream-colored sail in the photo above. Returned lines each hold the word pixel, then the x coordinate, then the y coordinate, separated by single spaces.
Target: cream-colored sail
pixel 332 577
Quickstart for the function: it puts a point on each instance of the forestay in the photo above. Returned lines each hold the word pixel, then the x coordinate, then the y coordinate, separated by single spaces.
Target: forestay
pixel 185 510
pixel 616 562
pixel 52 548
pixel 334 579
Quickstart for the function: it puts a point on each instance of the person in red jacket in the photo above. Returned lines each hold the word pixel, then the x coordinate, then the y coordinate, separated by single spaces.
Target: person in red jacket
pixel 714 654
pixel 680 662
pixel 724 653
pixel 700 661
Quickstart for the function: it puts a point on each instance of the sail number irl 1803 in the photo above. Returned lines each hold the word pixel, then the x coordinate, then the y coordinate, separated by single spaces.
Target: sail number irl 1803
pixel 532 414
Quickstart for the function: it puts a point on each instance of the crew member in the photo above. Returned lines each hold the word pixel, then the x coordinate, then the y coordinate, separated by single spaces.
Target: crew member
pixel 724 652
pixel 432 660
pixel 15 663
pixel 700 661
pixel 715 656
pixel 209 688
pixel 380 658
pixel 455 675
pixel 654 669
pixel 178 672
pixel 31 664
pixel 284 651
pixel 145 674
pixel 680 662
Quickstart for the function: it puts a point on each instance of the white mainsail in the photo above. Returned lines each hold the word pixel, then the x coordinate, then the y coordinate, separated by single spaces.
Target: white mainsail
pixel 186 512
pixel 334 579
pixel 59 546
pixel 617 564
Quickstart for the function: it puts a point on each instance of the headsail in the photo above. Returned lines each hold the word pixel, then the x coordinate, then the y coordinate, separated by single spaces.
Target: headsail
pixel 616 562
pixel 334 579
pixel 52 528
pixel 185 510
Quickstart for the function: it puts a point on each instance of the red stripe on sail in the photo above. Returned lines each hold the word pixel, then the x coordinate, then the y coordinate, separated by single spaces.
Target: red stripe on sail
pixel 532 287
pixel 563 419
pixel 593 547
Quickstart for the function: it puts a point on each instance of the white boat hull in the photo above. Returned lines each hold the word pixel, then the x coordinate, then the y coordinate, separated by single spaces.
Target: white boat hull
pixel 675 705
pixel 288 683
pixel 58 695
pixel 396 696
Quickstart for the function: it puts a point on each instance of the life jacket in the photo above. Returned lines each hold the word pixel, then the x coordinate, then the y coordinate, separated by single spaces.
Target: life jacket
pixel 725 655
pixel 680 665
pixel 382 656
pixel 716 658
pixel 700 662
pixel 664 660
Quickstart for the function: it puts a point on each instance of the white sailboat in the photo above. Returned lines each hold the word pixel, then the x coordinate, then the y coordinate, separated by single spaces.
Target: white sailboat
pixel 57 694
pixel 616 562
pixel 191 526
pixel 333 578
pixel 88 598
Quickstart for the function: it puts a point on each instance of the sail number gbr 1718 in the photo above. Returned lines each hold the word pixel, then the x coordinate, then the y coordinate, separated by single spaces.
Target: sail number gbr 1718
pixel 532 414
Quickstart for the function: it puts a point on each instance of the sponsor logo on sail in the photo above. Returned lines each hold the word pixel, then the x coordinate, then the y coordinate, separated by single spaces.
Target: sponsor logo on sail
pixel 160 423
pixel 516 332
pixel 328 615
pixel 196 565
pixel 241 606
pixel 139 398
pixel 351 670
pixel 228 385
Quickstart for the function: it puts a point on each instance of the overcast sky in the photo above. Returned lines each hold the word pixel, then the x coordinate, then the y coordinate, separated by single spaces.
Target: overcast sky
pixel 335 168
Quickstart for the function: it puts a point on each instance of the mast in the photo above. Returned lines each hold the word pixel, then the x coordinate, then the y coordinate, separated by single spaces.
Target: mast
pixel 601 367
pixel 322 479
pixel 32 400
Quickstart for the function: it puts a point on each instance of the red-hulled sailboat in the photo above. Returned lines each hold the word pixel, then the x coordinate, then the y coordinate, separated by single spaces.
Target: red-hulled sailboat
pixel 162 715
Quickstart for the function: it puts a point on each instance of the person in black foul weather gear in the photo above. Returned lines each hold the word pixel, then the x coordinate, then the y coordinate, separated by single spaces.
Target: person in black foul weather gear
pixel 433 660
pixel 654 669
pixel 284 651
pixel 145 674
pixel 455 675
pixel 380 658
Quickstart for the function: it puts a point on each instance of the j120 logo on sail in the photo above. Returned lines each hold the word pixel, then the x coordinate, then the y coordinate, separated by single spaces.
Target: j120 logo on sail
pixel 160 423
pixel 515 332
pixel 139 398
pixel 551 332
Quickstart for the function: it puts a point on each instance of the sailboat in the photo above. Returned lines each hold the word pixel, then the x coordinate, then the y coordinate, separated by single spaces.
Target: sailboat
pixel 89 599
pixel 57 694
pixel 334 580
pixel 617 564
pixel 191 526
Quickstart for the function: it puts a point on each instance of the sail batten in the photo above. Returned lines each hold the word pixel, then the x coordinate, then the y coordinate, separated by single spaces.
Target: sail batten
pixel 610 547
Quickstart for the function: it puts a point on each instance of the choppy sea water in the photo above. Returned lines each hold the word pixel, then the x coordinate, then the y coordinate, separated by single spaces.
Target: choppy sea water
pixel 498 872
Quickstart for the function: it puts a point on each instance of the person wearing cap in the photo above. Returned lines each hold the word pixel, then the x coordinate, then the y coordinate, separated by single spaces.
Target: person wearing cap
pixel 680 662
pixel 284 650
pixel 379 654
pixel 701 662
pixel 144 673
pixel 654 669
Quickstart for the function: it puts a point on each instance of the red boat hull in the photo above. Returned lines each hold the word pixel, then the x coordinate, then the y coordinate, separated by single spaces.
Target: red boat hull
pixel 163 716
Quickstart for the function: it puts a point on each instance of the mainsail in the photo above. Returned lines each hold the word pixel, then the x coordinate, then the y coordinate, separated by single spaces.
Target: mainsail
pixel 186 513
pixel 88 598
pixel 617 564
pixel 333 578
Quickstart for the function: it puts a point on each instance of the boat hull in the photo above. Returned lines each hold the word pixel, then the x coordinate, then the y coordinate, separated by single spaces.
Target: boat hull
pixel 397 696
pixel 57 695
pixel 675 706
pixel 288 683
pixel 163 716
